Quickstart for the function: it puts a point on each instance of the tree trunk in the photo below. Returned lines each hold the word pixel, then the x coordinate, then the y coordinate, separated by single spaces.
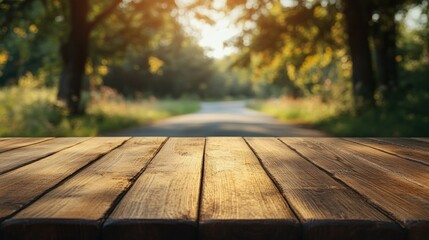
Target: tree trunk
pixel 75 54
pixel 357 27
pixel 385 46
pixel 380 56
pixel 426 50
pixel 391 34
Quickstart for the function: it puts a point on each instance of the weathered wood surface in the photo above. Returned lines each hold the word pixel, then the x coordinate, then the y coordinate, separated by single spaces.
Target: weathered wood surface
pixel 163 202
pixel 403 200
pixel 239 200
pixel 20 187
pixel 75 209
pixel 422 139
pixel 410 149
pixel 13 143
pixel 28 154
pixel 214 188
pixel 326 208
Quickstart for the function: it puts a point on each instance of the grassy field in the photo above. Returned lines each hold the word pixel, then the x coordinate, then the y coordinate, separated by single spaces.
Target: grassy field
pixel 29 111
pixel 402 120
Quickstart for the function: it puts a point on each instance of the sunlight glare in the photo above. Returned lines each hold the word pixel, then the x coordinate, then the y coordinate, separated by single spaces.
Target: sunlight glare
pixel 212 37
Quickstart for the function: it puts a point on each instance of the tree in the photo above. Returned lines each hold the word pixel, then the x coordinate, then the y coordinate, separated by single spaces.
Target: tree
pixel 75 52
pixel 384 34
pixel 309 24
pixel 357 16
pixel 27 42
pixel 81 20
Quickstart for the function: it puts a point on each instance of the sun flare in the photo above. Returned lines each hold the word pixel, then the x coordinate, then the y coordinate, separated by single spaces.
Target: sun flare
pixel 214 36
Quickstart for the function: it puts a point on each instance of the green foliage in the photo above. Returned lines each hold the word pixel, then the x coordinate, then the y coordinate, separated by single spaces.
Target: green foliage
pixel 308 111
pixel 300 49
pixel 37 115
pixel 140 49
pixel 32 45
pixel 407 116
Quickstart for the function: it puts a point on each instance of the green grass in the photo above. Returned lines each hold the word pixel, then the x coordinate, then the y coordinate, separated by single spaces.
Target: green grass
pixel 30 111
pixel 405 119
pixel 308 111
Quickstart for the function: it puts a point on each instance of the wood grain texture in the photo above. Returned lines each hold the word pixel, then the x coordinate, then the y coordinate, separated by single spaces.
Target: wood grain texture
pixel 409 170
pixel 21 186
pixel 407 148
pixel 12 143
pixel 326 208
pixel 75 209
pixel 25 155
pixel 239 200
pixel 422 139
pixel 163 202
pixel 402 199
pixel 408 142
pixel 405 151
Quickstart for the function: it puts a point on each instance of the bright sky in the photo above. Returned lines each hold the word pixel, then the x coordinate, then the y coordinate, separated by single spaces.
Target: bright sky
pixel 211 37
pixel 214 37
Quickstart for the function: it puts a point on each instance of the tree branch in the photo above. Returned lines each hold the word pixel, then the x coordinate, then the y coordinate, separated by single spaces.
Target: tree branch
pixel 100 17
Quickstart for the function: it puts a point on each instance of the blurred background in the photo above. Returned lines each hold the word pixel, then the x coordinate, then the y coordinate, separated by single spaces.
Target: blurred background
pixel 96 67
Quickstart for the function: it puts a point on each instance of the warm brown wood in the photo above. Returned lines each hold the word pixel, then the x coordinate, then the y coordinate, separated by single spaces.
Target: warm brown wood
pixel 25 155
pixel 239 200
pixel 327 209
pixel 410 152
pixel 407 142
pixel 23 185
pixel 410 170
pixel 422 139
pixel 265 188
pixel 396 195
pixel 75 209
pixel 12 143
pixel 163 202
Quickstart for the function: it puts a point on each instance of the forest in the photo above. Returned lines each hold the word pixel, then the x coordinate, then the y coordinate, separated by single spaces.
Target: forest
pixel 350 68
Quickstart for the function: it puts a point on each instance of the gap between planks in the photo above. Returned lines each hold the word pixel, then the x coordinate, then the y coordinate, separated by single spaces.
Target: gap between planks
pixel 407 152
pixel 19 157
pixel 23 178
pixel 163 201
pixel 202 177
pixel 14 143
pixel 78 207
pixel 404 201
pixel 239 200
pixel 326 208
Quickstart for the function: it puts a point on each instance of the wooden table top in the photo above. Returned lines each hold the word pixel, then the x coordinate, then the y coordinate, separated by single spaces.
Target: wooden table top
pixel 214 188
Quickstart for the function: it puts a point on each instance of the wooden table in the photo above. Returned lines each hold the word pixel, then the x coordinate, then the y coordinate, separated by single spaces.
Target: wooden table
pixel 214 188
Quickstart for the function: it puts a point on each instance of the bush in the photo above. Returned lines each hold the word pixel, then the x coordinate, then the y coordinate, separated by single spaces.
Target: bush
pixel 31 111
pixel 407 118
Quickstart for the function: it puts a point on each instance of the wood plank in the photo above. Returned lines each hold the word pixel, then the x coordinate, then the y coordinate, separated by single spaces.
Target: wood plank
pixel 25 155
pixel 13 143
pixel 239 200
pixel 412 171
pixel 422 139
pixel 75 209
pixel 403 200
pixel 163 202
pixel 23 185
pixel 407 142
pixel 326 208
pixel 404 151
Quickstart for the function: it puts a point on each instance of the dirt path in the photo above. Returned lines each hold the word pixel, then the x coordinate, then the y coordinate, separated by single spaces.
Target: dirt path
pixel 230 118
